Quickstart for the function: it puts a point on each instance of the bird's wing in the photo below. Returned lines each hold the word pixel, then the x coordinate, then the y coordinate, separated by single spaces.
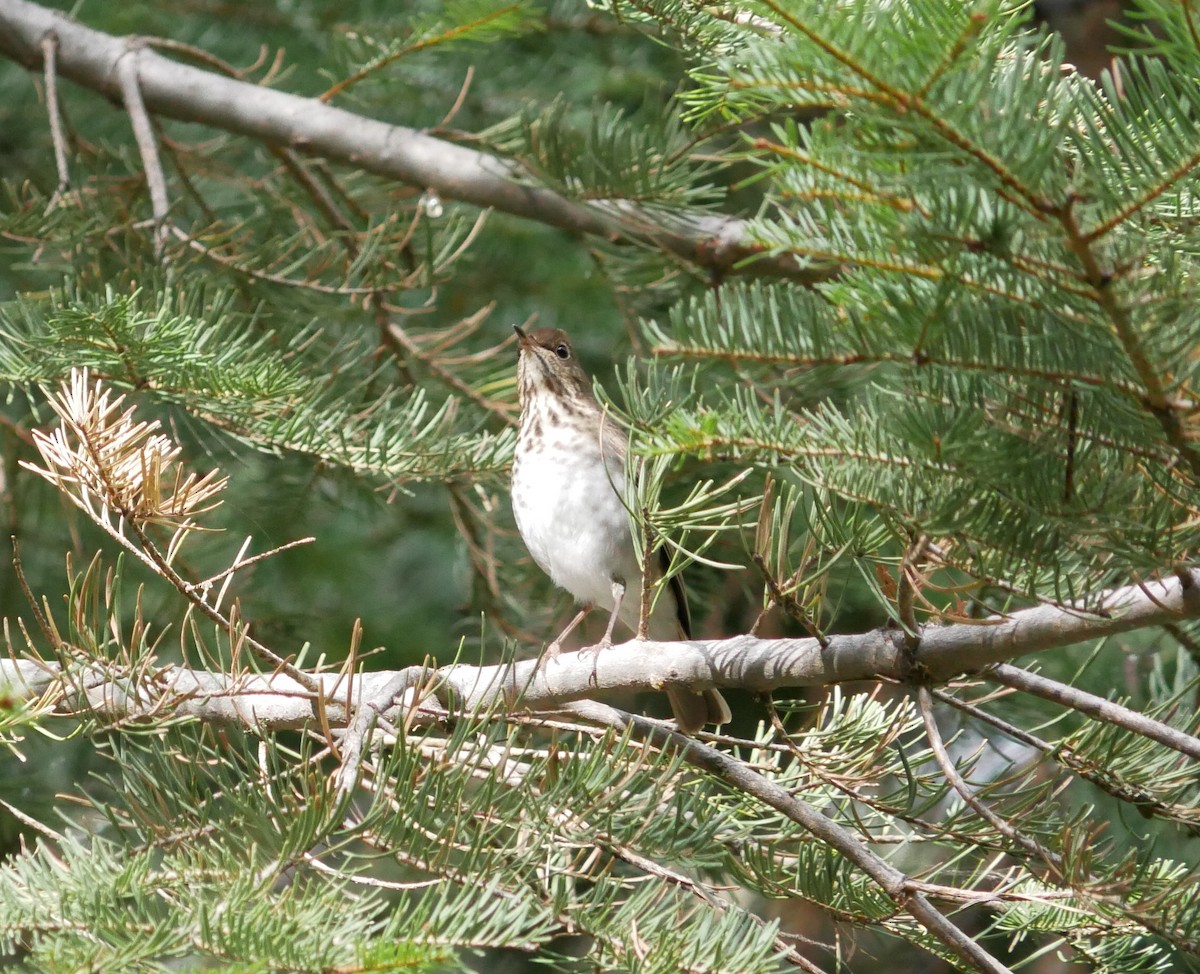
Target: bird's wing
pixel 682 614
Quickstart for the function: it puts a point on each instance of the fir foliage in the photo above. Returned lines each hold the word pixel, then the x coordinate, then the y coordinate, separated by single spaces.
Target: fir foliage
pixel 955 377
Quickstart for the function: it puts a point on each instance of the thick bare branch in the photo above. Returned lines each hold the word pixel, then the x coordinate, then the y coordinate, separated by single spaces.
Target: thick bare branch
pixel 91 58
pixel 278 701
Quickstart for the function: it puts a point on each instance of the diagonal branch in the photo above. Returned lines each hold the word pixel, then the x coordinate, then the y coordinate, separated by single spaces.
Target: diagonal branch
pixel 1031 846
pixel 1154 376
pixel 744 778
pixel 722 245
pixel 1096 707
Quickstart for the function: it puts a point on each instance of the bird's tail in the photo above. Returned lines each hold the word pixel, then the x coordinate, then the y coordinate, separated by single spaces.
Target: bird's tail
pixel 694 709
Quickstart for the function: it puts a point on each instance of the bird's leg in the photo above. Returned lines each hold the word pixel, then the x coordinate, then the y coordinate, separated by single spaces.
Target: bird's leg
pixel 556 647
pixel 618 593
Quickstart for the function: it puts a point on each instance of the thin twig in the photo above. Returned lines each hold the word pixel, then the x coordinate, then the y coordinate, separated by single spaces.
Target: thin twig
pixel 357 737
pixel 420 44
pixel 143 132
pixel 317 193
pixel 458 102
pixel 206 251
pixel 394 333
pixel 241 563
pixel 54 110
pixel 1088 883
pixel 907 588
pixel 43 624
pixel 786 950
pixel 789 746
pixel 361 880
pixel 1065 758
pixel 34 824
pixel 959 784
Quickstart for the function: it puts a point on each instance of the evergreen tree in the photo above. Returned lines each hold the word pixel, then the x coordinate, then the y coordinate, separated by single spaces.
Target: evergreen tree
pixel 897 309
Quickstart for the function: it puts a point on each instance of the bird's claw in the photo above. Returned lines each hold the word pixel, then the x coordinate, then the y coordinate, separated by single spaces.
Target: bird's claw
pixel 596 648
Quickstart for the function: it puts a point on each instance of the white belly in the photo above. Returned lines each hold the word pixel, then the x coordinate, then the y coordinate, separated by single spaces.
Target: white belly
pixel 573 522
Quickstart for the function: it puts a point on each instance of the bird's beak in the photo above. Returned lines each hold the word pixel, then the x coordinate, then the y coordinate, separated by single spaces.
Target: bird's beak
pixel 522 338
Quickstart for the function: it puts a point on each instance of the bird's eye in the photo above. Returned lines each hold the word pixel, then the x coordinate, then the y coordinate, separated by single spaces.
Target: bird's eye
pixel 562 351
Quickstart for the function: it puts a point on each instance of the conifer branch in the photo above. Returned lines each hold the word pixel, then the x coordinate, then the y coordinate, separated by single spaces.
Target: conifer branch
pixel 990 412
pixel 1103 779
pixel 124 475
pixel 903 101
pixel 739 775
pixel 722 245
pixel 1148 196
pixel 344 290
pixel 803 358
pixel 378 63
pixel 1030 846
pixel 1160 401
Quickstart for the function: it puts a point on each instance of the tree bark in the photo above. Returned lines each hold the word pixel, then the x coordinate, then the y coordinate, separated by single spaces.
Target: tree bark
pixel 279 702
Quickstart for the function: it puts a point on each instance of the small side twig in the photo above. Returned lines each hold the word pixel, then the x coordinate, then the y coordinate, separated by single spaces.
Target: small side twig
pixel 57 134
pixel 959 784
pixel 143 132
pixel 458 102
pixel 241 562
pixel 1065 758
pixel 358 879
pixel 34 824
pixel 42 622
pixel 211 254
pixel 358 734
pixel 149 552
pixel 906 594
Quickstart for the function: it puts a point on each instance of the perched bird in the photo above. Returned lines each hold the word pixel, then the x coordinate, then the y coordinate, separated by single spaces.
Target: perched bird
pixel 569 467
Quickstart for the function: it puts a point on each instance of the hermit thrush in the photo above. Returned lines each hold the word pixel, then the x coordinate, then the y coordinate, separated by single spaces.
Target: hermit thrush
pixel 569 467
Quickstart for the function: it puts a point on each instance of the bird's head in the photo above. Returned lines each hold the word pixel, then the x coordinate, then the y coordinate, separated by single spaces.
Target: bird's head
pixel 546 365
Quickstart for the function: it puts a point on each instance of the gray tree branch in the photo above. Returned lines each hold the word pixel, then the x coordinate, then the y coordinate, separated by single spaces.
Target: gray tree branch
pixel 278 701
pixel 720 244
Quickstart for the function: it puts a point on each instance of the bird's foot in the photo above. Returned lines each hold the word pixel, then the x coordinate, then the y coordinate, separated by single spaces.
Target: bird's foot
pixel 595 649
